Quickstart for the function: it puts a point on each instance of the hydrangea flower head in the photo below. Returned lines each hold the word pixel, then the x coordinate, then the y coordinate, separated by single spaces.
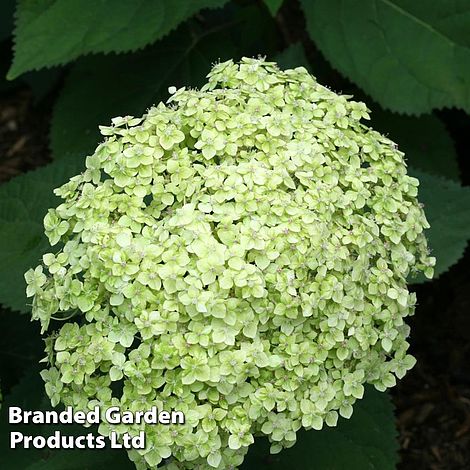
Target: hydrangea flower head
pixel 240 254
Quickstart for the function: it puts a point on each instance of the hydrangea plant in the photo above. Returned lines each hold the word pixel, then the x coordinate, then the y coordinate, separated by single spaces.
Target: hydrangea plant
pixel 241 254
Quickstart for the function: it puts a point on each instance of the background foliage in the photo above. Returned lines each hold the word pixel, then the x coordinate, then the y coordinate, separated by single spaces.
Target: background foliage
pixel 94 60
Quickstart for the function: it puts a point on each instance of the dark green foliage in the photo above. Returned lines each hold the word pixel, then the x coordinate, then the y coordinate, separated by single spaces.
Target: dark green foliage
pixel 410 56
pixel 6 18
pixel 446 204
pixel 54 32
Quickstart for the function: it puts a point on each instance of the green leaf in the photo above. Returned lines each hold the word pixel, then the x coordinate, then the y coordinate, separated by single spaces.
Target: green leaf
pixel 447 208
pixel 29 395
pixel 410 55
pixel 53 32
pixel 23 203
pixel 365 441
pixel 99 88
pixel 273 5
pixel 292 57
pixel 424 140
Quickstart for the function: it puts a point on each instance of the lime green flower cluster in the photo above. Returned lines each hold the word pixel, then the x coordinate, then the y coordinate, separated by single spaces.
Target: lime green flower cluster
pixel 239 253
